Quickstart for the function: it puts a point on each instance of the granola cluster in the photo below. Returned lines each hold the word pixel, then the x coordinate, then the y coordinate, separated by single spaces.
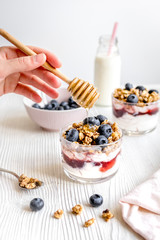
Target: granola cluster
pixel 144 95
pixel 77 209
pixel 88 134
pixel 58 214
pixel 89 222
pixel 106 214
pixel 29 183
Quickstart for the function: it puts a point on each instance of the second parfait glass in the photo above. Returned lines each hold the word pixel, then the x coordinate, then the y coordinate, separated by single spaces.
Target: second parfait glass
pixel 135 119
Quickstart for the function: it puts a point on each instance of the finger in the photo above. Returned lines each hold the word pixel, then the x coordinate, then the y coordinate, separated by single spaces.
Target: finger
pixel 46 76
pixel 23 64
pixel 27 92
pixel 36 82
pixel 51 58
pixel 9 52
pixel 12 52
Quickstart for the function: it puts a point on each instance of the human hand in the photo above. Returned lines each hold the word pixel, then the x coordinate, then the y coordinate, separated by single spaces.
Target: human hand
pixel 17 71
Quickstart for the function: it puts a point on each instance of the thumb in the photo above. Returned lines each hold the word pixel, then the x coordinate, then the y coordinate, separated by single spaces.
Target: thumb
pixel 24 64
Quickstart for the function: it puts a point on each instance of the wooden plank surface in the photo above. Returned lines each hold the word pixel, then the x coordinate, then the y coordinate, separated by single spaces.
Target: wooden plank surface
pixel 26 148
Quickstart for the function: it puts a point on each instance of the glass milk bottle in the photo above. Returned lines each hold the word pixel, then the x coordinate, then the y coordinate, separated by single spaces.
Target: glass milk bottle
pixel 107 69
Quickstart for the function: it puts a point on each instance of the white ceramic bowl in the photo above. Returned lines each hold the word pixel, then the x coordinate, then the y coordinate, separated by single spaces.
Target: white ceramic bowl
pixel 53 119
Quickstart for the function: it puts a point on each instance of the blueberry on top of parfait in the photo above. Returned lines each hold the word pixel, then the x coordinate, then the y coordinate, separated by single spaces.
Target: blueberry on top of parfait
pixel 91 121
pixel 140 88
pixel 72 135
pixel 132 98
pixel 101 140
pixel 101 118
pixel 152 90
pixel 128 86
pixel 105 130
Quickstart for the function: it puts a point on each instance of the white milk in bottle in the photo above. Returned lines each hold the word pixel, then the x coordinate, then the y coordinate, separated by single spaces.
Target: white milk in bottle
pixel 107 70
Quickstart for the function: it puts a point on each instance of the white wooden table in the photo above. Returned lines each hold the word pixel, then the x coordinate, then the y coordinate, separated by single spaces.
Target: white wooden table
pixel 26 148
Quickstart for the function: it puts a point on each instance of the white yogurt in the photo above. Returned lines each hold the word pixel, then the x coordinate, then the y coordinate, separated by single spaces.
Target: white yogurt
pixel 137 124
pixel 91 171
pixel 92 157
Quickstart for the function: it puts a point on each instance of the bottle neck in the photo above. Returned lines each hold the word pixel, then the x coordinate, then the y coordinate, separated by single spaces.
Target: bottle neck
pixel 106 47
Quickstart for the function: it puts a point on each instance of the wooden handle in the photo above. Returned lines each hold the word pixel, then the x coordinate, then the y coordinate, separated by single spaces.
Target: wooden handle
pixel 30 52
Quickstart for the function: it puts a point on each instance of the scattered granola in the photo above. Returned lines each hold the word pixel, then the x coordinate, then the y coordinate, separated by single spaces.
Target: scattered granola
pixel 58 214
pixel 143 95
pixel 29 183
pixel 77 209
pixel 89 222
pixel 106 214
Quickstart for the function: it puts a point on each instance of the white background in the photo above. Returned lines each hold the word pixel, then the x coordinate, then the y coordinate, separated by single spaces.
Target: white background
pixel 71 28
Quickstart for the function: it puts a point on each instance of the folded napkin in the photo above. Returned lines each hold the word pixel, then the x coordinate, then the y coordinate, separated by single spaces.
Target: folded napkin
pixel 141 208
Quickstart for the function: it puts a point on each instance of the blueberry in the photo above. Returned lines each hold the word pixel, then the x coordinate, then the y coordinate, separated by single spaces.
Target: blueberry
pixel 101 118
pixel 67 132
pixel 60 108
pixel 48 106
pixel 105 130
pixel 70 101
pixel 36 204
pixel 72 135
pixel 67 107
pixel 141 88
pixel 62 104
pixel 74 105
pixel 54 103
pixel 36 105
pixel 91 121
pixel 96 200
pixel 152 90
pixel 101 140
pixel 132 98
pixel 128 86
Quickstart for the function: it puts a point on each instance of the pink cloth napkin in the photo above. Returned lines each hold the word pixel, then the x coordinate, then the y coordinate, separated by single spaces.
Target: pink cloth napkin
pixel 141 208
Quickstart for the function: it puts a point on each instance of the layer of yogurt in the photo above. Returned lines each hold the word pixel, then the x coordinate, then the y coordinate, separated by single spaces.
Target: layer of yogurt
pixel 90 171
pixel 137 123
pixel 91 157
pixel 121 108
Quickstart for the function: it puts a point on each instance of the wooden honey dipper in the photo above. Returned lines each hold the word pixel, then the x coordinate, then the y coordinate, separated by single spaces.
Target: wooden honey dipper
pixel 84 93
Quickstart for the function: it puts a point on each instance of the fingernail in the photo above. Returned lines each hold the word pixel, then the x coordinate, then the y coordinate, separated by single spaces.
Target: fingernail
pixel 40 58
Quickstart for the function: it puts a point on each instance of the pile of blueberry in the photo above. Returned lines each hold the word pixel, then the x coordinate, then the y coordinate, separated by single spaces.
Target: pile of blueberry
pixel 132 98
pixel 104 130
pixel 54 105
